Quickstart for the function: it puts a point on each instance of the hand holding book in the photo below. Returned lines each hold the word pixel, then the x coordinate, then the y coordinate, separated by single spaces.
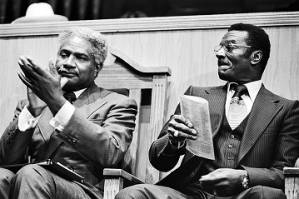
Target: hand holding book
pixel 196 110
pixel 181 129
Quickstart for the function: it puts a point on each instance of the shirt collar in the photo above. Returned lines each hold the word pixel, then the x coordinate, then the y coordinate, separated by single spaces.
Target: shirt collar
pixel 79 92
pixel 252 87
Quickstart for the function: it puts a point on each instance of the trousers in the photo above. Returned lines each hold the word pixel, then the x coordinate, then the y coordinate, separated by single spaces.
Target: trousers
pixel 149 191
pixel 35 182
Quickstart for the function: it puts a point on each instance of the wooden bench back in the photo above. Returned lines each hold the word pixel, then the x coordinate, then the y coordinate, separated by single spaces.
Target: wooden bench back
pixel 148 86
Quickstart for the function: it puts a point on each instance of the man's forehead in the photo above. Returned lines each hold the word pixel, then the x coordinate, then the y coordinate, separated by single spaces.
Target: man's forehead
pixel 76 44
pixel 235 36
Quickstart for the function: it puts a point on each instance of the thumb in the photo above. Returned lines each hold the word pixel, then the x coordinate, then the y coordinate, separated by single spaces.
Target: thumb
pixel 52 69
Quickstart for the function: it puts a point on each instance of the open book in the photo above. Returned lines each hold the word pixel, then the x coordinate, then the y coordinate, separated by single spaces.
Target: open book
pixel 196 109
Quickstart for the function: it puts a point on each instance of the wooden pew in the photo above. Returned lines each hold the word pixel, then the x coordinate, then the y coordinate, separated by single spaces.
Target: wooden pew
pixel 148 86
pixel 292 181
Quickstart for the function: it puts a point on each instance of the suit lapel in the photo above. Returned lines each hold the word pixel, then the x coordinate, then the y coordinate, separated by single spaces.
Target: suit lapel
pixel 264 108
pixel 216 98
pixel 91 99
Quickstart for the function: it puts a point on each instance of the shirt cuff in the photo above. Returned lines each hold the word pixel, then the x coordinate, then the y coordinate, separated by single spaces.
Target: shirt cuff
pixel 26 120
pixel 63 116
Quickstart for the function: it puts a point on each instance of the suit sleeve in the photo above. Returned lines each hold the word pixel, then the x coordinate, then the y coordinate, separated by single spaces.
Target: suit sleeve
pixel 286 152
pixel 162 154
pixel 13 142
pixel 105 136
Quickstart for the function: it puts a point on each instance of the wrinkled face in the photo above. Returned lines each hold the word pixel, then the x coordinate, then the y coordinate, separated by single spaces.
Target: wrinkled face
pixel 233 59
pixel 76 63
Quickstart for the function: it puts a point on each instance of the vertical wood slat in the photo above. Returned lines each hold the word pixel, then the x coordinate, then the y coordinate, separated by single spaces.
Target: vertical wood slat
pixel 136 95
pixel 292 187
pixel 112 187
pixel 157 119
pixel 296 188
pixel 291 180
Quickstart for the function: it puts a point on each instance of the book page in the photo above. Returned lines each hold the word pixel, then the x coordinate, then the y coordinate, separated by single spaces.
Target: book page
pixel 196 109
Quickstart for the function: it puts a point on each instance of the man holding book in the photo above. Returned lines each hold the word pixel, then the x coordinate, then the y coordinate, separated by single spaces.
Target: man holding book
pixel 255 132
pixel 68 119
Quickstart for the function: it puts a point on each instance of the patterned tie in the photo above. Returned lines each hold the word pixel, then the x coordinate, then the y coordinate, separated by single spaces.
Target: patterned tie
pixel 237 109
pixel 70 96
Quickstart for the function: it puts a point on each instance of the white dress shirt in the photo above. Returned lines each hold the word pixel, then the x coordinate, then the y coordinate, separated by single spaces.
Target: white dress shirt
pixel 59 121
pixel 253 89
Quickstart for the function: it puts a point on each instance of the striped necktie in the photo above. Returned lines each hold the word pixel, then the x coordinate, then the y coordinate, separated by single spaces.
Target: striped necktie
pixel 237 109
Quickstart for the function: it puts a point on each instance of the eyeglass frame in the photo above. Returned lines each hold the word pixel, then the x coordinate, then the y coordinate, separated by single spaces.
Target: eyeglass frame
pixel 231 45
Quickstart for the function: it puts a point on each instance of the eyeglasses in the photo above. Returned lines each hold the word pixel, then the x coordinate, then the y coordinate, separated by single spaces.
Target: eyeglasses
pixel 229 47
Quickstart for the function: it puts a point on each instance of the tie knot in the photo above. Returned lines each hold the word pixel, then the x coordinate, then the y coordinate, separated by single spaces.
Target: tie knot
pixel 69 96
pixel 239 90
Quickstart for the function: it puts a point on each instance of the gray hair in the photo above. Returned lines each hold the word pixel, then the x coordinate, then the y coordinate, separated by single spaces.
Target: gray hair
pixel 99 46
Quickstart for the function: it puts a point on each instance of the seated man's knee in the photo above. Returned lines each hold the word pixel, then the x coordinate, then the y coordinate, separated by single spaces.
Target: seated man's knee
pixel 31 172
pixel 264 192
pixel 6 175
pixel 136 191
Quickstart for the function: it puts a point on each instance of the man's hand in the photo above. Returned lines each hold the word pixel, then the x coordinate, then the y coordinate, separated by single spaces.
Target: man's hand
pixel 180 128
pixel 44 84
pixel 36 105
pixel 223 181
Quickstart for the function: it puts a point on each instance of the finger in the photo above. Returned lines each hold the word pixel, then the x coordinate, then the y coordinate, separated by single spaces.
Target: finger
pixel 24 60
pixel 27 70
pixel 211 178
pixel 179 134
pixel 36 67
pixel 176 134
pixel 188 123
pixel 178 118
pixel 24 79
pixel 31 66
pixel 182 119
pixel 53 69
pixel 173 132
pixel 20 62
pixel 182 127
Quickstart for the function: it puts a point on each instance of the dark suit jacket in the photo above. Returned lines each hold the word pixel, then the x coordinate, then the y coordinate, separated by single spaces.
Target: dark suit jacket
pixel 97 135
pixel 270 140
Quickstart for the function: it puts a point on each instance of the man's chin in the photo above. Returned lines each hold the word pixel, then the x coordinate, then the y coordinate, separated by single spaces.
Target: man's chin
pixel 224 75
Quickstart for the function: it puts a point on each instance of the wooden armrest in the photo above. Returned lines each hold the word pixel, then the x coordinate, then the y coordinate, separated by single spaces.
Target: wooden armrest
pixel 116 173
pixel 291 171
pixel 117 179
pixel 291 182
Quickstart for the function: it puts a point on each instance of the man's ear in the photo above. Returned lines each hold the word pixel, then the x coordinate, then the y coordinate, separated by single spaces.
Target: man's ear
pixel 97 69
pixel 256 57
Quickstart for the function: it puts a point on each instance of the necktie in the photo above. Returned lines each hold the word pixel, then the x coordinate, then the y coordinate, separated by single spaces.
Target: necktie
pixel 70 96
pixel 237 109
